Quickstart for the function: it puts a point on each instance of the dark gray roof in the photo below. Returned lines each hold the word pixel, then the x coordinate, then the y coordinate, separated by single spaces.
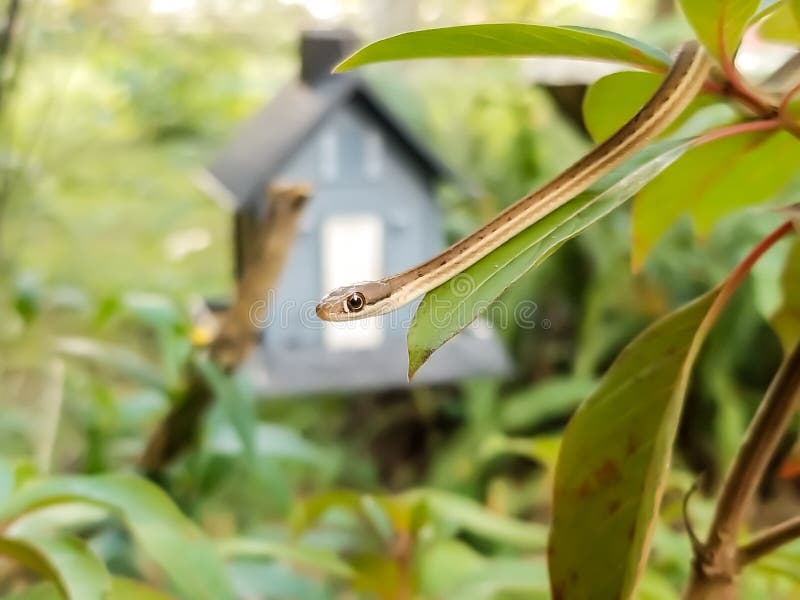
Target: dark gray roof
pixel 264 143
pixel 472 353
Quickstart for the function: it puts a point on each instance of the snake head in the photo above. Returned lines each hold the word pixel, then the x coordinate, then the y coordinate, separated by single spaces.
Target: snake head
pixel 356 301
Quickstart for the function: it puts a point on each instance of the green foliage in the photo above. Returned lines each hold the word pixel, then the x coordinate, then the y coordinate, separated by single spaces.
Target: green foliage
pixel 120 589
pixel 509 39
pixel 173 541
pixel 422 526
pixel 712 181
pixel 551 398
pixel 719 24
pixel 65 560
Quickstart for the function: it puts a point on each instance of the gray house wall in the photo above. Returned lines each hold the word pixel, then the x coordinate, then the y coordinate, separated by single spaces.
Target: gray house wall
pixel 400 196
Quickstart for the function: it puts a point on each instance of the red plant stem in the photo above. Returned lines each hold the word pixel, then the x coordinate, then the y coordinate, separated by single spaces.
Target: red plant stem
pixel 783 109
pixel 738 275
pixel 743 268
pixel 728 90
pixel 731 72
pixel 737 129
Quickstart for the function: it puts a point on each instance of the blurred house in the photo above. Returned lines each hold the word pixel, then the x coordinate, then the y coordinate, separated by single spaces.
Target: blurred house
pixel 372 213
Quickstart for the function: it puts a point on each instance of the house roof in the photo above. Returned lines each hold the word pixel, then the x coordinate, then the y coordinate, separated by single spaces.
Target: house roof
pixel 264 143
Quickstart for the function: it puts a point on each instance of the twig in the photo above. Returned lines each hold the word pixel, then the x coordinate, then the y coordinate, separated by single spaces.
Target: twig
pixel 697 545
pixel 768 540
pixel 238 332
pixel 716 567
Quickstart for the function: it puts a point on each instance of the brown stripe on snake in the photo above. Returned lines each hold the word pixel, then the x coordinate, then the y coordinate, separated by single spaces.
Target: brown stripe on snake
pixel 366 299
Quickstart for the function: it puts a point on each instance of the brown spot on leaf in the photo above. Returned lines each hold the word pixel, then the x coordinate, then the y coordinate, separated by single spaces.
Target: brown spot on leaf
pixel 613 506
pixel 632 446
pixel 558 592
pixel 607 473
pixel 584 490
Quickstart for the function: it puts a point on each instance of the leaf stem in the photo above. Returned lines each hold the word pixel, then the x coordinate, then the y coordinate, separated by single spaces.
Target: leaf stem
pixel 768 540
pixel 740 272
pixel 787 120
pixel 784 106
pixel 737 129
pixel 727 90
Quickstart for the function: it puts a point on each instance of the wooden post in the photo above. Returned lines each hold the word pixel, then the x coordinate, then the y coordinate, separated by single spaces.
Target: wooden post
pixel 239 331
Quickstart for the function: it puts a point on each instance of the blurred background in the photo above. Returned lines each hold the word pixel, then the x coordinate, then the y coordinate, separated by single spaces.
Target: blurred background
pixel 115 253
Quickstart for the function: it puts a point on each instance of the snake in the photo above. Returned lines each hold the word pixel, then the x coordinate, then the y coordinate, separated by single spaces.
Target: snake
pixel 372 298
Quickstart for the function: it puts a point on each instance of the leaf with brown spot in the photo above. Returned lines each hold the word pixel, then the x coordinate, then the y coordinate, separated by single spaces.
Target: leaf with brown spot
pixel 615 458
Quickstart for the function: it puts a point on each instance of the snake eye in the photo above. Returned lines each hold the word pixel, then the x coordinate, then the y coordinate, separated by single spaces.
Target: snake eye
pixel 355 302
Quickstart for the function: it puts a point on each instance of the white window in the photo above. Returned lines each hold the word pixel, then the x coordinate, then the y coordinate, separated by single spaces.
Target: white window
pixel 329 156
pixel 352 250
pixel 373 155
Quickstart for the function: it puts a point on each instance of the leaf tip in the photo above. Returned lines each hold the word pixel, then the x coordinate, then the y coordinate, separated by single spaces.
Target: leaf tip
pixel 346 65
pixel 416 359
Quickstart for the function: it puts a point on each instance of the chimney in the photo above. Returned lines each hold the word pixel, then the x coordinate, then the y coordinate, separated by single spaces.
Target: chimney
pixel 320 51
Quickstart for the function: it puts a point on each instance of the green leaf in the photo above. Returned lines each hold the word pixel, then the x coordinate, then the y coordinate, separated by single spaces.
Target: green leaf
pixel 39 591
pixel 549 399
pixel 236 403
pixel 317 559
pixel 505 579
pixel 123 588
pixel 66 561
pixel 442 564
pixel 786 320
pixel 452 306
pixel 12 474
pixel 171 540
pixel 614 99
pixel 541 448
pixel 719 24
pixel 509 39
pixel 712 181
pixel 403 511
pixel 470 516
pixel 783 24
pixel 615 457
pixel 111 357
